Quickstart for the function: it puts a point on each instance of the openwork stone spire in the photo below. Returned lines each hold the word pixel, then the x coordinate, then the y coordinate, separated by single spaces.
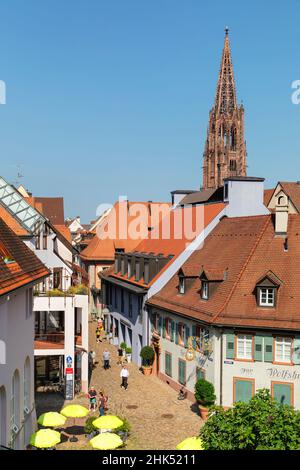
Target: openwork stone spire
pixel 225 149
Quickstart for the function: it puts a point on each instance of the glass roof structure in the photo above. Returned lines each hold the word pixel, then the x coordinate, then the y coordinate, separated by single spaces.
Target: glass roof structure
pixel 19 208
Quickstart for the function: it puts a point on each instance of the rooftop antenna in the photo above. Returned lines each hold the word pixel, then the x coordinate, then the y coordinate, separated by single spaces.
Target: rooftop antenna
pixel 17 182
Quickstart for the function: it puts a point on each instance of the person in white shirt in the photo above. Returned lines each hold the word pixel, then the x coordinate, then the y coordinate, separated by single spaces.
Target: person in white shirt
pixel 124 376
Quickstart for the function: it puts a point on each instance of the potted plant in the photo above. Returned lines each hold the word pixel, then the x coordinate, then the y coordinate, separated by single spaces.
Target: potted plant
pixel 123 346
pixel 89 429
pixel 123 431
pixel 147 355
pixel 205 396
pixel 128 354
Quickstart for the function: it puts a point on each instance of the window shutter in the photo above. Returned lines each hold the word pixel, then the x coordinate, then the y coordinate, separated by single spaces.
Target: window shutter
pixel 181 372
pixel 187 335
pixel 172 333
pixel 176 333
pixel 168 364
pixel 164 329
pixel 258 347
pixel 268 353
pixel 159 325
pixel 229 346
pixel 296 355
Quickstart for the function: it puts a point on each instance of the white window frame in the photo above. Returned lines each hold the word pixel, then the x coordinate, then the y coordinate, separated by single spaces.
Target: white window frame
pixel 181 285
pixel 204 290
pixel 245 340
pixel 266 291
pixel 284 342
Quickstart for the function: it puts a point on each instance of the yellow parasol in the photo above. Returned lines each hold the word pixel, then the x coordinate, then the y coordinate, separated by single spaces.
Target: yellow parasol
pixel 45 438
pixel 191 443
pixel 74 411
pixel 106 441
pixel 107 422
pixel 52 419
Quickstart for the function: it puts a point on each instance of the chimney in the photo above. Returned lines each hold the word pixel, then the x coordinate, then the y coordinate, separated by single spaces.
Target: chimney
pixel 281 215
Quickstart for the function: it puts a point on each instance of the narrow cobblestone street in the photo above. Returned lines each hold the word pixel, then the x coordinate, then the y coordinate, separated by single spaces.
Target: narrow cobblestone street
pixel 144 404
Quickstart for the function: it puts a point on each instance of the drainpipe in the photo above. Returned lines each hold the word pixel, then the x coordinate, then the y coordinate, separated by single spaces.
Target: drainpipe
pixel 221 370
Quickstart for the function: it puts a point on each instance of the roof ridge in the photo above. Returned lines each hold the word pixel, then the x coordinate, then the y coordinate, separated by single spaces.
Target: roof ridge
pixel 242 269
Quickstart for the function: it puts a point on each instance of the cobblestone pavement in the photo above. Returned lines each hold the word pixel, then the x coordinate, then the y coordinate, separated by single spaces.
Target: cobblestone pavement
pixel 143 404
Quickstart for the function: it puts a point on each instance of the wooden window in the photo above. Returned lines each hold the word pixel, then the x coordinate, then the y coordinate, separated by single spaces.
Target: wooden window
pixel 244 347
pixel 168 364
pixel 204 290
pixel 181 371
pixel 283 350
pixel 57 278
pixel 266 296
pixel 243 389
pixel 37 242
pixel 181 334
pixel 181 285
pixel 283 392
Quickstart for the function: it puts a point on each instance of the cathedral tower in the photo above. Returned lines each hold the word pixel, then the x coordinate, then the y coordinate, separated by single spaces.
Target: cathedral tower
pixel 225 149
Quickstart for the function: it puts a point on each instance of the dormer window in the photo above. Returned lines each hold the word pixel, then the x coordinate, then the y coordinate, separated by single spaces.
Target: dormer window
pixel 267 297
pixel 181 285
pixel 267 290
pixel 204 290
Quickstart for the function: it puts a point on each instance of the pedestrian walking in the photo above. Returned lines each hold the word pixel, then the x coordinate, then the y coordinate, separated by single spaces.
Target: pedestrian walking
pixel 98 335
pixel 120 356
pixel 92 395
pixel 103 401
pixel 124 376
pixel 93 356
pixel 106 357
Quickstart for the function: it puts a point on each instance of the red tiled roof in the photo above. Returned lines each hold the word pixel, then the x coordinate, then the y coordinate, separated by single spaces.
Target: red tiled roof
pixel 50 207
pixel 12 222
pixel 248 248
pixel 64 231
pixel 24 266
pixel 100 249
pixel 292 190
pixel 268 193
pixel 174 246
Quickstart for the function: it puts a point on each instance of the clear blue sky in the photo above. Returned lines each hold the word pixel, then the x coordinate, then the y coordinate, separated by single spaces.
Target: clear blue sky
pixel 112 97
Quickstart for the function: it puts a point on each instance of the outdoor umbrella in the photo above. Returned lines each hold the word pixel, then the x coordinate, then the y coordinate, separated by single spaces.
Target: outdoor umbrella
pixel 45 438
pixel 74 411
pixel 106 441
pixel 107 422
pixel 52 419
pixel 191 443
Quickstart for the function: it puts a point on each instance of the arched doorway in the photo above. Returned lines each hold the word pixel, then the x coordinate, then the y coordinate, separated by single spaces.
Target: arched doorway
pixel 27 401
pixel 15 410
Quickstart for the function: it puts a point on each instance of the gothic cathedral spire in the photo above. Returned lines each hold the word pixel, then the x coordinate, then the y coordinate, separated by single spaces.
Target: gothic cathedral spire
pixel 225 149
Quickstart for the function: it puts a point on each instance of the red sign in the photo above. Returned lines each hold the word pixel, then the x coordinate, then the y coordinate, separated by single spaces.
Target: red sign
pixel 69 370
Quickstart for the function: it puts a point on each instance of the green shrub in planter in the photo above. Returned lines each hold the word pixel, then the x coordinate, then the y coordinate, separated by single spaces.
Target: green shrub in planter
pixel 205 393
pixel 89 428
pixel 147 355
pixel 123 345
pixel 126 427
pixel 128 350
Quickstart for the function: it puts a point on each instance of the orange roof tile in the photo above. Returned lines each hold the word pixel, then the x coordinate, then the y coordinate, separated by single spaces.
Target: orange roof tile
pixel 248 249
pixel 24 266
pixel 101 248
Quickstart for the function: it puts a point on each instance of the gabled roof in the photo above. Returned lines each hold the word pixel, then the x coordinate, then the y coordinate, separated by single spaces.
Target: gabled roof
pixel 100 248
pixel 249 249
pixel 23 266
pixel 212 274
pixel 50 207
pixel 172 247
pixel 292 190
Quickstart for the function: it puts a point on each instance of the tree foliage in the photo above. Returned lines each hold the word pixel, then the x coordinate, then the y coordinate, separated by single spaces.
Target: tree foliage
pixel 260 424
pixel 147 355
